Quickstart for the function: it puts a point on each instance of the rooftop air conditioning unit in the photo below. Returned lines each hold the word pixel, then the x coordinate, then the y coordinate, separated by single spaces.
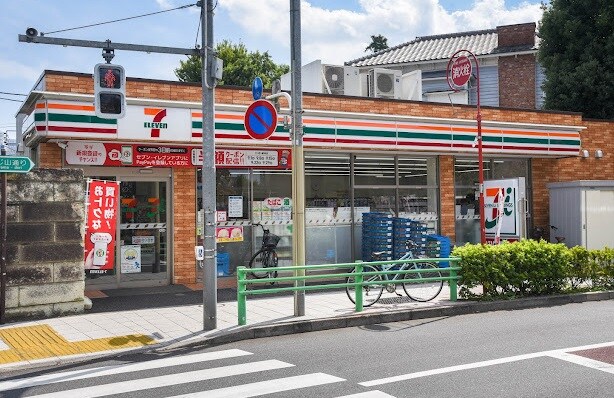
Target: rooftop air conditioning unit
pixel 340 80
pixel 384 83
pixel 326 79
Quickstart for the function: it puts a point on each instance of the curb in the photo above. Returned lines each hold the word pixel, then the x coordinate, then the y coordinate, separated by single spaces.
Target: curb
pixel 461 308
pixel 305 326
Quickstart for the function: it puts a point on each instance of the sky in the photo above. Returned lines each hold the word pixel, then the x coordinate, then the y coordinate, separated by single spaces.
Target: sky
pixel 333 31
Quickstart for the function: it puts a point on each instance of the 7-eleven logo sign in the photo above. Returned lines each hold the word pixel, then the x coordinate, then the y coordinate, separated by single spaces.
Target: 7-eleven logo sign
pixel 156 124
pixel 498 204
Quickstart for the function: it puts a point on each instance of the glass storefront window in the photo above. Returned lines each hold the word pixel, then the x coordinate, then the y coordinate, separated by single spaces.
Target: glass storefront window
pixel 374 170
pixel 327 208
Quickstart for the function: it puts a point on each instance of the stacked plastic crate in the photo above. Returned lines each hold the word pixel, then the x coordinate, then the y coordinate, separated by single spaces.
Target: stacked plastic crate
pixel 376 236
pixel 405 230
pixel 445 247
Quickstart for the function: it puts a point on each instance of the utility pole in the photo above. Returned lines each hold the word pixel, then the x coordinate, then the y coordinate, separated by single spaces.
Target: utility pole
pixel 208 170
pixel 298 158
pixel 3 229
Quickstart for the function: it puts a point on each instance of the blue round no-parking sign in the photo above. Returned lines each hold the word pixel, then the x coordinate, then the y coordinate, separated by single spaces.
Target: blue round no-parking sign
pixel 260 119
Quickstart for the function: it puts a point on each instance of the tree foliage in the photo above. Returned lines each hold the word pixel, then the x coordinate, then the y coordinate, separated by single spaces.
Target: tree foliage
pixel 240 66
pixel 378 43
pixel 577 52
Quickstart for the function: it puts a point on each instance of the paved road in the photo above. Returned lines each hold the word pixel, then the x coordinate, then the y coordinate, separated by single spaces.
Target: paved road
pixel 565 351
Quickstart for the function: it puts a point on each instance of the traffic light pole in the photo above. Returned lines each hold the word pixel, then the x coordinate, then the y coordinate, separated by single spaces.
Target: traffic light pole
pixel 208 174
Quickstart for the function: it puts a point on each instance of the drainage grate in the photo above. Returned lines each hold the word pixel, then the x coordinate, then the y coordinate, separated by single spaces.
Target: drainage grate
pixel 394 300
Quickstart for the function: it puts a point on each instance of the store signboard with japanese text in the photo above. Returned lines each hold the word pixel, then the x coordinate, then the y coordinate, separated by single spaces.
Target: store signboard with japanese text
pixel 504 209
pixel 84 153
pixel 100 227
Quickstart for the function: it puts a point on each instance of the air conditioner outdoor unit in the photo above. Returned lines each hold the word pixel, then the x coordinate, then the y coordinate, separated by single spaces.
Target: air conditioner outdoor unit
pixel 384 83
pixel 340 80
pixel 326 79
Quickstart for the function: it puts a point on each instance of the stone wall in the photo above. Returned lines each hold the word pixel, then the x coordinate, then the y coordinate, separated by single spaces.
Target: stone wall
pixel 45 224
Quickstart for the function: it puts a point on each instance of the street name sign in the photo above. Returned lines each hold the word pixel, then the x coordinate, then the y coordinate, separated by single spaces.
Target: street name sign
pixel 15 164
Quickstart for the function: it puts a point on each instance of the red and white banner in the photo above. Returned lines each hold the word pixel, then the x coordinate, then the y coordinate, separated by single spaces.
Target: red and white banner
pixel 82 153
pixel 100 226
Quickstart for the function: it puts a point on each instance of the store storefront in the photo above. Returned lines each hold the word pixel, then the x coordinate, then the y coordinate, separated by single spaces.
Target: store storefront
pixel 360 157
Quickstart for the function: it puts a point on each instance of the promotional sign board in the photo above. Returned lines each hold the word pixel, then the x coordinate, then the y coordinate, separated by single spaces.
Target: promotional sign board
pixel 100 226
pixel 504 209
pixel 84 153
pixel 130 259
pixel 228 234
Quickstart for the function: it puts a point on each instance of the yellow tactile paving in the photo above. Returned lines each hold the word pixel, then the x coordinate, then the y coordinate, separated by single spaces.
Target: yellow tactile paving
pixel 41 341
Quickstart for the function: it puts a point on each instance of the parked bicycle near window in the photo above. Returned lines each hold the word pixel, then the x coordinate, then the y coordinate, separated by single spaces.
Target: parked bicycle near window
pixel 417 291
pixel 265 260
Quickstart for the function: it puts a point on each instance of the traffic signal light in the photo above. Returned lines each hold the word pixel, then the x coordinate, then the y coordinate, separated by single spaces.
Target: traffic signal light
pixel 109 91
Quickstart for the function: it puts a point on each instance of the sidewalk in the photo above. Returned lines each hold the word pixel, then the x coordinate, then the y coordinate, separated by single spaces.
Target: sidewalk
pixel 95 334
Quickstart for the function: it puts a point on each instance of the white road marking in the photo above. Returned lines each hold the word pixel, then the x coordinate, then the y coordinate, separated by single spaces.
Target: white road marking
pixel 116 369
pixel 580 360
pixel 369 394
pixel 481 364
pixel 266 387
pixel 167 380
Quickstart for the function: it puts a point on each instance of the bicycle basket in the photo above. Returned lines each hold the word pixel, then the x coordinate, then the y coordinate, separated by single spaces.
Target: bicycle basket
pixel 270 240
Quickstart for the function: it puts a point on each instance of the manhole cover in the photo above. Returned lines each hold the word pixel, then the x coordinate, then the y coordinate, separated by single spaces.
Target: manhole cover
pixel 394 300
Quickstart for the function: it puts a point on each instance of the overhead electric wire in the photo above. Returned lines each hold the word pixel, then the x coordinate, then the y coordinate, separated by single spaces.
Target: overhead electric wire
pixel 23 95
pixel 10 99
pixel 118 20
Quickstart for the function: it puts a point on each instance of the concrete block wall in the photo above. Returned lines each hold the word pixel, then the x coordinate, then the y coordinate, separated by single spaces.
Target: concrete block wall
pixel 45 224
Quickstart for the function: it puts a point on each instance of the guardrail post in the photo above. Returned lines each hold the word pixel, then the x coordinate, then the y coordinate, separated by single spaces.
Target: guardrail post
pixel 453 284
pixel 358 279
pixel 241 296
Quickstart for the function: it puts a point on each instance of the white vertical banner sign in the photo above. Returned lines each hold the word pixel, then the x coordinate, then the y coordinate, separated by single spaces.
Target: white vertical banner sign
pixel 504 209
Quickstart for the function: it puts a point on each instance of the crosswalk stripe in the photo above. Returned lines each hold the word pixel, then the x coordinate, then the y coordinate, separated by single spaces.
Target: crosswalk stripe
pixel 369 394
pixel 579 360
pixel 266 387
pixel 167 380
pixel 62 377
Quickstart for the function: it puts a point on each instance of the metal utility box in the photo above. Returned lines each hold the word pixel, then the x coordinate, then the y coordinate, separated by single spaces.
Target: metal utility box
pixel 583 213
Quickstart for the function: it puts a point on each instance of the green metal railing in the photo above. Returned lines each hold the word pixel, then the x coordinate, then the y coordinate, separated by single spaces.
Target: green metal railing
pixel 355 271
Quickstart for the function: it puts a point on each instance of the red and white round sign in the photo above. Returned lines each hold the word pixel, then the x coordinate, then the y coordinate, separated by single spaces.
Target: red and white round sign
pixel 459 72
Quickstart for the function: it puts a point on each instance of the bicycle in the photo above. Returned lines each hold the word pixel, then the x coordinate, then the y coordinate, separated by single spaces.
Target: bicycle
pixel 419 291
pixel 266 257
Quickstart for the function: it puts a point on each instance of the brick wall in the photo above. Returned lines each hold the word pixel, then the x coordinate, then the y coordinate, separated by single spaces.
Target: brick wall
pixel 45 274
pixel 184 225
pixel 516 35
pixel 447 215
pixel 517 81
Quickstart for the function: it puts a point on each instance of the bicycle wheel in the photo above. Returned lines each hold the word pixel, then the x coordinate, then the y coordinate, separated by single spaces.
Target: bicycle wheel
pixel 370 293
pixel 263 262
pixel 423 291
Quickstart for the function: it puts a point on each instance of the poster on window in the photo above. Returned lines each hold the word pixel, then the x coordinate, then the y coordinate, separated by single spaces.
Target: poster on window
pixel 100 228
pixel 228 234
pixel 235 206
pixel 130 259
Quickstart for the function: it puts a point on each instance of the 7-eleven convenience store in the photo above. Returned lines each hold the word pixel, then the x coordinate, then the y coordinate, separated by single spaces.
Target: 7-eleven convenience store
pixel 411 159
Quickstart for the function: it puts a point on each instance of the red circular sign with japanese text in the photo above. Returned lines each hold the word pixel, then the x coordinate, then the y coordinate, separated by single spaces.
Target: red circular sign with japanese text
pixel 459 72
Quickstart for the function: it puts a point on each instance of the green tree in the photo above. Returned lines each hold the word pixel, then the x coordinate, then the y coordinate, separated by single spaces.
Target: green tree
pixel 240 66
pixel 378 43
pixel 577 53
